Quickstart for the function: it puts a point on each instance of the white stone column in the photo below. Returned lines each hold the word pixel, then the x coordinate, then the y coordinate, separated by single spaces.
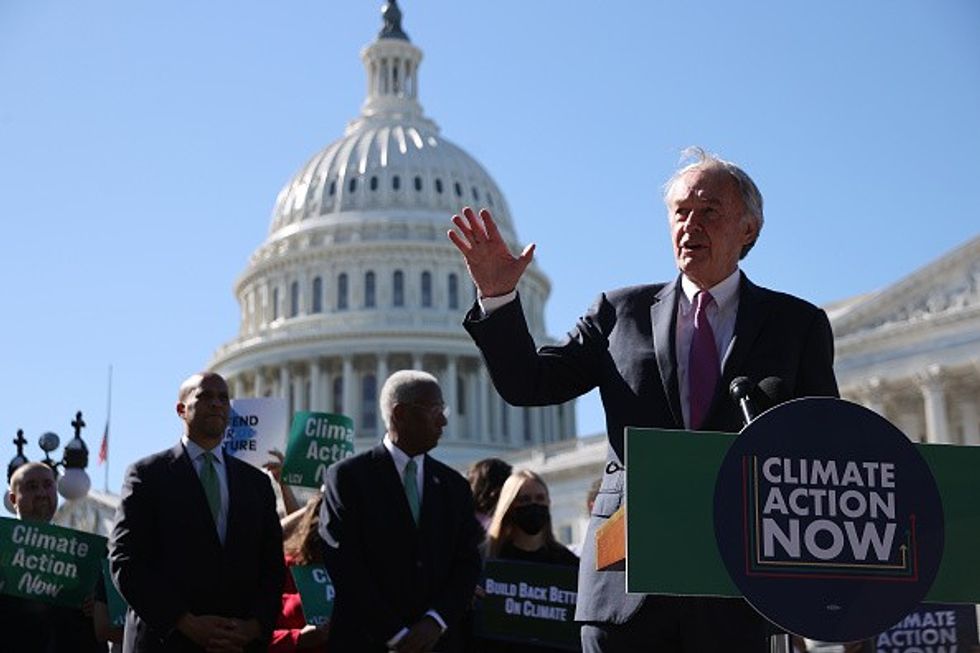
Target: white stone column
pixel 970 421
pixel 937 424
pixel 515 419
pixel 348 376
pixel 316 400
pixel 873 396
pixel 449 396
pixel 382 373
pixel 472 399
pixel 238 385
pixel 299 392
pixel 416 361
pixel 483 404
pixel 259 386
pixel 284 389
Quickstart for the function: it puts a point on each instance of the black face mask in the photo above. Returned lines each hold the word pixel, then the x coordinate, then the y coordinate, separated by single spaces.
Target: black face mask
pixel 531 518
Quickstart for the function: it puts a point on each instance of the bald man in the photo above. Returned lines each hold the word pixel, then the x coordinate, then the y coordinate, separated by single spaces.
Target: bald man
pixel 196 550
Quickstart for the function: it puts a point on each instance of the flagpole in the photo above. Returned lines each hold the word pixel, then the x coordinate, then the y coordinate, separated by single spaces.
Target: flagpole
pixel 108 414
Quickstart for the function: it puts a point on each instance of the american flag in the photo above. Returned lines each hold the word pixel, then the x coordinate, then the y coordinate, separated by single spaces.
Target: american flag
pixel 104 447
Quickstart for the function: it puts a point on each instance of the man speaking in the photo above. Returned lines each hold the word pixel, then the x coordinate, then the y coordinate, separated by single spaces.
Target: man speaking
pixel 662 356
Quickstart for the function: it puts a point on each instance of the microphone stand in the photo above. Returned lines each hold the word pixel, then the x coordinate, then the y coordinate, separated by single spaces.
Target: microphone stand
pixel 741 390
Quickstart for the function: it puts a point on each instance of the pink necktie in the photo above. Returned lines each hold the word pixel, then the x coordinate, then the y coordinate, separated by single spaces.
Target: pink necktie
pixel 703 367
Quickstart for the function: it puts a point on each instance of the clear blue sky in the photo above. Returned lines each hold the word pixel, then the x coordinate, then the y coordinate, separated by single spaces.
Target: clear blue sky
pixel 142 146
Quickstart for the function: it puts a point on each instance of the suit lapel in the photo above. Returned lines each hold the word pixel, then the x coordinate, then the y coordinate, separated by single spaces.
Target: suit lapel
pixel 391 486
pixel 752 312
pixel 187 481
pixel 235 491
pixel 663 317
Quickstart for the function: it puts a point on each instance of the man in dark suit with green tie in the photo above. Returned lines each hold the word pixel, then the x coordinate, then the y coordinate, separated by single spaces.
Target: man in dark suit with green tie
pixel 196 550
pixel 401 537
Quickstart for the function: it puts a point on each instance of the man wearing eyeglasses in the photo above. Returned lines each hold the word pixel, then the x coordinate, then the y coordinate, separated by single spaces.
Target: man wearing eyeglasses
pixel 401 538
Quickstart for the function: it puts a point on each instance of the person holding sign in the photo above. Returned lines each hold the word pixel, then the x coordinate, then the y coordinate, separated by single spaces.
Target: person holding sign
pixel 196 550
pixel 303 547
pixel 401 538
pixel 26 624
pixel 521 530
pixel 663 356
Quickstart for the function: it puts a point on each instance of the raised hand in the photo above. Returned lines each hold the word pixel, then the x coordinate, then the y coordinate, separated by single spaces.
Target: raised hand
pixel 493 268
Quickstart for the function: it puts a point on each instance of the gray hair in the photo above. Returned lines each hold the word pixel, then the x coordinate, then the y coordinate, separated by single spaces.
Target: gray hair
pixel 704 160
pixel 402 387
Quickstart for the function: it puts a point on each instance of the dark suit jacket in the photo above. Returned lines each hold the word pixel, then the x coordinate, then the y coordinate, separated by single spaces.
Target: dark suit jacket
pixel 625 346
pixel 166 558
pixel 388 573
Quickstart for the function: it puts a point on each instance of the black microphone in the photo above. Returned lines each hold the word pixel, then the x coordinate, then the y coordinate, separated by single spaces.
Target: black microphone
pixel 756 398
pixel 741 390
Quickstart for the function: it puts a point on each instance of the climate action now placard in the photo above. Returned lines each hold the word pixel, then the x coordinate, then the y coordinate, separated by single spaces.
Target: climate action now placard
pixel 931 628
pixel 531 603
pixel 315 441
pixel 48 563
pixel 316 592
pixel 828 519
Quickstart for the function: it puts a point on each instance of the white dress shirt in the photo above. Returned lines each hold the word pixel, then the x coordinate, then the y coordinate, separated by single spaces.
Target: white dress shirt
pixel 196 453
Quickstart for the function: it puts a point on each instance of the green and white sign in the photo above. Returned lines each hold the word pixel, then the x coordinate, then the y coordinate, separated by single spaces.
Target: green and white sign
pixel 115 603
pixel 529 603
pixel 48 563
pixel 315 441
pixel 316 593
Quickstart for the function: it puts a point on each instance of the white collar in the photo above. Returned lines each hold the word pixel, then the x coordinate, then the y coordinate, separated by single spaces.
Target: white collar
pixel 723 292
pixel 194 450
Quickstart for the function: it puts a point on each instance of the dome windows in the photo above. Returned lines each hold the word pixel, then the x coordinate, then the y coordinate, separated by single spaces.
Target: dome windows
pixel 476 194
pixel 352 185
pixel 439 186
pixel 453 291
pixel 294 299
pixel 342 298
pixel 418 183
pixel 459 189
pixel 426 289
pixel 398 288
pixel 317 295
pixel 369 290
pixel 333 187
pixel 396 182
pixel 374 182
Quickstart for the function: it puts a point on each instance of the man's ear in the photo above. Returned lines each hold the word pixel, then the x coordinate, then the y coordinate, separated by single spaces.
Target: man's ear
pixel 397 414
pixel 180 408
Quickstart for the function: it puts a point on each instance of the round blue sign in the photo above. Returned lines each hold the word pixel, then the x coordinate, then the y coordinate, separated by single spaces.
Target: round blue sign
pixel 828 519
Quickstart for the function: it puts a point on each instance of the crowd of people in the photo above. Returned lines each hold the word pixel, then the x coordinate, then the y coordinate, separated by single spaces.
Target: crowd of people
pixel 197 550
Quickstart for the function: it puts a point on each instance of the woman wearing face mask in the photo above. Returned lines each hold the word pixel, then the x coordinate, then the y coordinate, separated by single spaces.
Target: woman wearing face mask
pixel 521 530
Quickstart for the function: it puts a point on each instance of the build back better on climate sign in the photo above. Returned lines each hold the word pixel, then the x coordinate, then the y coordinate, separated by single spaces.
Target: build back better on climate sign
pixel 828 519
pixel 316 440
pixel 48 563
pixel 530 603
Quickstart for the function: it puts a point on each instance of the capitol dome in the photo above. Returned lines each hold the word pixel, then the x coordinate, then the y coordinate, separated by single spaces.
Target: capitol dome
pixel 356 278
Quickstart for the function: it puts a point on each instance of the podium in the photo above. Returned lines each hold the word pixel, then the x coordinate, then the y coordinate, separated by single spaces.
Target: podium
pixel 671 535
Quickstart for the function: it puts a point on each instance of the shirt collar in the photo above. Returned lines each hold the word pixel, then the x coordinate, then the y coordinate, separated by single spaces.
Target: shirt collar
pixel 400 457
pixel 194 450
pixel 723 292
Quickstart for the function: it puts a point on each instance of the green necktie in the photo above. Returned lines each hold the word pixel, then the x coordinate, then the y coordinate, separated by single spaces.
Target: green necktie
pixel 209 479
pixel 412 489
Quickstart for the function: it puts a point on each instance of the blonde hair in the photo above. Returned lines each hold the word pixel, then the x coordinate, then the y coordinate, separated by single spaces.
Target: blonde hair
pixel 305 545
pixel 501 527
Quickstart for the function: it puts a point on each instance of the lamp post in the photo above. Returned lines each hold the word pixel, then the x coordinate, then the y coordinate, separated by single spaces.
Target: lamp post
pixel 74 483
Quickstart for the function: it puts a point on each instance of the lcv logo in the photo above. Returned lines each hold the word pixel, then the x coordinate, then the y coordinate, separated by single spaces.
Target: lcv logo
pixel 813 516
pixel 828 519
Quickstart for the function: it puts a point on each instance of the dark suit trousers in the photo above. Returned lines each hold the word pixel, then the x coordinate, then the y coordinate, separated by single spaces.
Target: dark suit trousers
pixel 667 624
